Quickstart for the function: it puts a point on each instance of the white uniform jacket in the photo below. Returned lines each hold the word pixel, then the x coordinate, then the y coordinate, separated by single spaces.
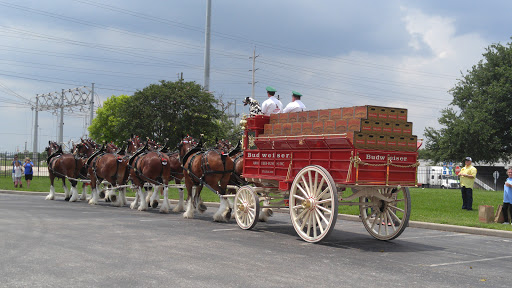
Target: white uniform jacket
pixel 271 106
pixel 294 106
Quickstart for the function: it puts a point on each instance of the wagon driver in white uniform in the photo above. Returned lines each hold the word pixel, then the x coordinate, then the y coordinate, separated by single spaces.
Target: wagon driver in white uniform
pixel 296 105
pixel 272 105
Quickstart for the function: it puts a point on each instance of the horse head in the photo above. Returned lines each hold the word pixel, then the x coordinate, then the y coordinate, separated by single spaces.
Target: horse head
pixel 224 145
pixel 111 148
pixel 52 147
pixel 84 148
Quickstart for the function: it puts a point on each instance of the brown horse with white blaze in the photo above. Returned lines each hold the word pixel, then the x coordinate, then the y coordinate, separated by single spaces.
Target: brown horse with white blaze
pixel 210 168
pixel 111 167
pixel 150 167
pixel 62 165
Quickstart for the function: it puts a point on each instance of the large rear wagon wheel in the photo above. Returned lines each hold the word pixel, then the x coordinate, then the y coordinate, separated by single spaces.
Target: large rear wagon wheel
pixel 386 219
pixel 313 203
pixel 247 207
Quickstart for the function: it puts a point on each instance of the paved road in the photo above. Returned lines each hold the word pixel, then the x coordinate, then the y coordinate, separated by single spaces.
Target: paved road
pixel 61 244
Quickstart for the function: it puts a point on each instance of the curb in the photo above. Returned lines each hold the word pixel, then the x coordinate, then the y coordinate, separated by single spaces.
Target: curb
pixel 413 224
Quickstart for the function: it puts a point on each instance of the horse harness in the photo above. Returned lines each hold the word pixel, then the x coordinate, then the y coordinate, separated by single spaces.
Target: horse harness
pixel 205 167
pixel 240 181
pixel 134 161
pixel 51 162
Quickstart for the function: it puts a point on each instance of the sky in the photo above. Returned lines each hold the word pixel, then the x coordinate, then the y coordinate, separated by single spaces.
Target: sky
pixel 337 53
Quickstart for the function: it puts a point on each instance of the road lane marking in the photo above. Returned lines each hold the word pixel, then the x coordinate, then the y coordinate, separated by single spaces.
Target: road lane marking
pixel 432 236
pixel 227 229
pixel 464 262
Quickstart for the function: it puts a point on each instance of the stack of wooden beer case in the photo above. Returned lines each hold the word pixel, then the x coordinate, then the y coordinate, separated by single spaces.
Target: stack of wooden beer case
pixel 368 127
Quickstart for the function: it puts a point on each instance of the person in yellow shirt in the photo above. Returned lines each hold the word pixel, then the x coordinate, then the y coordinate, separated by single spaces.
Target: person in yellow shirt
pixel 467 180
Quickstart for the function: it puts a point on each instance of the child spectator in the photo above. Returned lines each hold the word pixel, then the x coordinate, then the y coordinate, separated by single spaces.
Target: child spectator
pixel 15 160
pixel 18 172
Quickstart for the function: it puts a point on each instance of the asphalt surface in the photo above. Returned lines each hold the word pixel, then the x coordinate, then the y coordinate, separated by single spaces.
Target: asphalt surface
pixel 61 244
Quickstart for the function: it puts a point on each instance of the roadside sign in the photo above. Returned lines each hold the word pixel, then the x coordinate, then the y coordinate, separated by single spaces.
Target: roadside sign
pixel 496 175
pixel 457 170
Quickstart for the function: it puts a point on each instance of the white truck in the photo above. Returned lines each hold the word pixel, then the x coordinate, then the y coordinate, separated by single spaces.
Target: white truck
pixel 437 177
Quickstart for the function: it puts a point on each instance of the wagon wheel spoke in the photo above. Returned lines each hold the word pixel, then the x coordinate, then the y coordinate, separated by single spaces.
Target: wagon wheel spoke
pixel 324 209
pixel 316 185
pixel 303 182
pixel 319 221
pixel 302 190
pixel 396 208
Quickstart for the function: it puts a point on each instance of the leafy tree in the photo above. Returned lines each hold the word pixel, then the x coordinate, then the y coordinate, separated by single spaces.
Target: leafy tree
pixel 479 121
pixel 110 123
pixel 165 110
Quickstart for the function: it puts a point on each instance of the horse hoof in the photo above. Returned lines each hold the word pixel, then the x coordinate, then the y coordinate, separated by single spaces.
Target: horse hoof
pixel 67 198
pixel 202 208
pixel 102 194
pixel 228 214
pixel 112 198
pixel 154 204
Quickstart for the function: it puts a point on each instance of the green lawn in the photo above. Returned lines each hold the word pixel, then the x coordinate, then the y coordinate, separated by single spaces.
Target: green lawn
pixel 427 205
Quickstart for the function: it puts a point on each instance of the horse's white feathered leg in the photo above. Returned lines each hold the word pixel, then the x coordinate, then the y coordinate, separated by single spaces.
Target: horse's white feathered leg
pixel 66 191
pixel 165 204
pixel 189 213
pixel 153 201
pixel 143 204
pixel 51 196
pixel 74 194
pixel 84 193
pixel 221 214
pixel 94 196
pixel 135 200
pixel 180 206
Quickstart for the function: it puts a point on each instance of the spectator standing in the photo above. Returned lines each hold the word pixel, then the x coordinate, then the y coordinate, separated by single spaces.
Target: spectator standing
pixel 507 199
pixel 13 162
pixel 296 105
pixel 29 172
pixel 18 172
pixel 467 179
pixel 272 105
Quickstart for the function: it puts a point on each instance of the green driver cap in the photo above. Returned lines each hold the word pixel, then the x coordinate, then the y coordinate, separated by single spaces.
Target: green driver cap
pixel 271 89
pixel 295 93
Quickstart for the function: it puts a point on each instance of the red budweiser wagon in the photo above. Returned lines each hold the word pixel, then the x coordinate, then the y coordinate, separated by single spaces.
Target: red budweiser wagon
pixel 313 162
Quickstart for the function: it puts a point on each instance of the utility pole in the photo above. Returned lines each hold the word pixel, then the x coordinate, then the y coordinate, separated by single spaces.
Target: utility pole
pixel 207 46
pixel 253 71
pixel 36 126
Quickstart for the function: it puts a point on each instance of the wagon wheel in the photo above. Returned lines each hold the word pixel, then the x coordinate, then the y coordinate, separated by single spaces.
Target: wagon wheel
pixel 386 220
pixel 313 203
pixel 247 207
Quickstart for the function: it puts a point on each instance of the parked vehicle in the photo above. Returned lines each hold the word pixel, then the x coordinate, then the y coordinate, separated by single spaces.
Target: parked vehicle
pixel 437 177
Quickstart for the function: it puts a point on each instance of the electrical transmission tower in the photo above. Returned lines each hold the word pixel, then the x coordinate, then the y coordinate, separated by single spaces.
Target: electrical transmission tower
pixel 74 100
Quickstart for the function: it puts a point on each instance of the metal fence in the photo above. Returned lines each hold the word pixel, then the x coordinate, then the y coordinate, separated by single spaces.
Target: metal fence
pixel 6 163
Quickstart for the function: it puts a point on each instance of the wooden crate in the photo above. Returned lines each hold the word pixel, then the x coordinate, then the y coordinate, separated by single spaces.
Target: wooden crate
pixel 307 128
pixel 340 126
pixel 318 127
pixel 312 116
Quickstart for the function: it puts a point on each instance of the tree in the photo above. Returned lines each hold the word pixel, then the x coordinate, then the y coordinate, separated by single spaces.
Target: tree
pixel 479 121
pixel 110 123
pixel 165 110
